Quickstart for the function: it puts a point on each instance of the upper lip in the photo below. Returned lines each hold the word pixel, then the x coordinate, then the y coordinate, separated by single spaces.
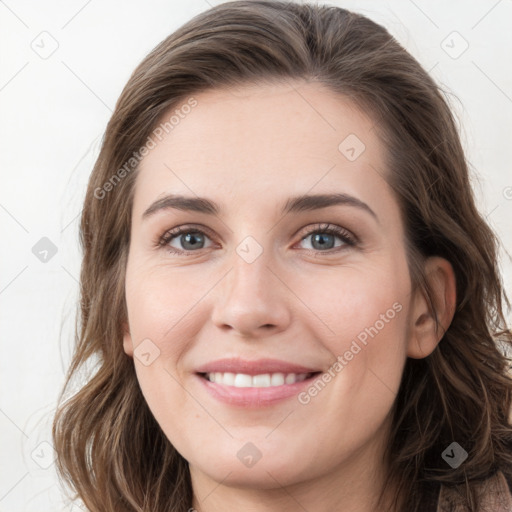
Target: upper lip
pixel 257 367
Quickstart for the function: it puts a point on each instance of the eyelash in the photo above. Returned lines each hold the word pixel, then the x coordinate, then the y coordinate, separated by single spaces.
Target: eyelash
pixel 348 239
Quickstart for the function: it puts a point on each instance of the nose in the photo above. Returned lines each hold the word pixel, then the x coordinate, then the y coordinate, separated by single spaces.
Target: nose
pixel 252 300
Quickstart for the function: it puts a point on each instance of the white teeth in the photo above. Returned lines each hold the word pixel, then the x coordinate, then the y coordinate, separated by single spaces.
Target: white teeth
pixel 290 378
pixel 261 381
pixel 277 379
pixel 265 380
pixel 241 381
pixel 226 378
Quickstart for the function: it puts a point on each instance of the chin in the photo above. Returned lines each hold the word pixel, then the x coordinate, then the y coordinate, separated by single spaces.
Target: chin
pixel 260 476
pixel 236 469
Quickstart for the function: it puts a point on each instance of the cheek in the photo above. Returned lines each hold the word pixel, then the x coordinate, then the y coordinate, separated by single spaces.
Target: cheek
pixel 357 303
pixel 161 318
pixel 365 323
pixel 163 307
pixel 162 327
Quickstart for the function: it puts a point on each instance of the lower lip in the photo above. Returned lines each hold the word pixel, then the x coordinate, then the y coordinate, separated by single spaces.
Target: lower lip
pixel 254 397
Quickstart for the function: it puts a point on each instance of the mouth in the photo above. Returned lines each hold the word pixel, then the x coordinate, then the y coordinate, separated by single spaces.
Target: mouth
pixel 254 391
pixel 264 380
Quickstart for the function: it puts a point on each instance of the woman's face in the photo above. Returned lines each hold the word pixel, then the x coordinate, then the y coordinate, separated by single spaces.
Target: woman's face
pixel 256 294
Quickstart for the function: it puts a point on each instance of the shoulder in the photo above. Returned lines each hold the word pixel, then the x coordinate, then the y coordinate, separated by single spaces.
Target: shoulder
pixel 495 493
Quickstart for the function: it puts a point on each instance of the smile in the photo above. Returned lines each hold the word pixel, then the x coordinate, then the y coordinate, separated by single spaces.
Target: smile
pixel 254 391
pixel 264 380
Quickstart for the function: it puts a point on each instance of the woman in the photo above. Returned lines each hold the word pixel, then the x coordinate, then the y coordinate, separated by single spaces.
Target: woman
pixel 332 345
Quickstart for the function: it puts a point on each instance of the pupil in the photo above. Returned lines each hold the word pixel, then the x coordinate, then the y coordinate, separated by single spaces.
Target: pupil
pixel 191 239
pixel 320 238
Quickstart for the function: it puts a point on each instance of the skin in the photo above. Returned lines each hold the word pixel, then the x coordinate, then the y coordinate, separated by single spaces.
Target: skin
pixel 249 149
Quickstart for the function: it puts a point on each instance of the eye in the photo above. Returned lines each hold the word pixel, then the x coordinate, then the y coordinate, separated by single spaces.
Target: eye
pixel 187 238
pixel 323 238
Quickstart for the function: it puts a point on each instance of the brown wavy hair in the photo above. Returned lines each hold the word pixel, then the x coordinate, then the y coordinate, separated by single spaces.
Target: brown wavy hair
pixel 111 450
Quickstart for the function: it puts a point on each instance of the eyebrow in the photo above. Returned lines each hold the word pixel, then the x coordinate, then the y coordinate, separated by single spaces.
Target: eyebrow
pixel 293 204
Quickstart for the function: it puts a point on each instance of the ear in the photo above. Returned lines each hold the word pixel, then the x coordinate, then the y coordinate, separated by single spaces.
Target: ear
pixel 424 337
pixel 127 340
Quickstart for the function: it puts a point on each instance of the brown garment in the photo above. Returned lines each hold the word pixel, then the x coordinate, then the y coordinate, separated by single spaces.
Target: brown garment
pixel 496 494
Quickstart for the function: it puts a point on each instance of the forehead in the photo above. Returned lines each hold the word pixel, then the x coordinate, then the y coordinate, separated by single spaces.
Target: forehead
pixel 248 142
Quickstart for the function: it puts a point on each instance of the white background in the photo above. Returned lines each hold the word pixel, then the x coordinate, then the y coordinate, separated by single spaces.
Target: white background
pixel 53 113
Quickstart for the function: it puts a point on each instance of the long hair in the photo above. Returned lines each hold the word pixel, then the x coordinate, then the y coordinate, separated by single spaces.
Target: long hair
pixel 111 451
